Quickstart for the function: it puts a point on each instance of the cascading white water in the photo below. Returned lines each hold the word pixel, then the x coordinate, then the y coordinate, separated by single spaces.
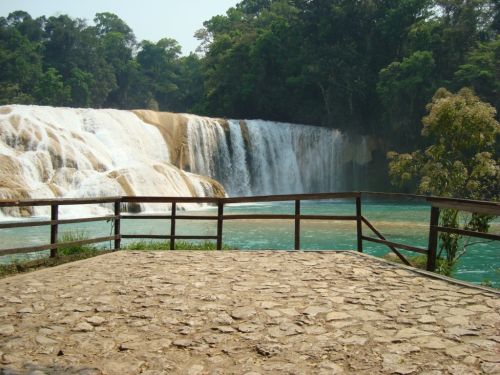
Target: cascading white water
pixel 268 157
pixel 239 184
pixel 61 152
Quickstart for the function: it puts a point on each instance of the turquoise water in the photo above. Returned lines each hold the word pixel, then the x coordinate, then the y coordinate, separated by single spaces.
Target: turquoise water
pixel 403 223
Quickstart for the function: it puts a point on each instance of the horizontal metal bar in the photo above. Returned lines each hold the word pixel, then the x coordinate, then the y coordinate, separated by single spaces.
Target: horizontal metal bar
pixel 287 217
pixel 327 217
pixel 60 201
pixel 146 236
pixel 396 245
pixel 463 201
pixel 54 222
pixel 32 249
pixel 27 224
pixel 169 217
pixel 267 198
pixel 24 250
pixel 143 199
pixel 88 219
pixel 85 242
pixel 470 233
pixel 194 217
pixel 292 197
pixel 162 237
pixel 479 208
pixel 393 195
pixel 144 217
pixel 258 216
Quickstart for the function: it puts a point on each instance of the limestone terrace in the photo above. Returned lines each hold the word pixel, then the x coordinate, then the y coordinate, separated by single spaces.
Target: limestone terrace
pixel 171 312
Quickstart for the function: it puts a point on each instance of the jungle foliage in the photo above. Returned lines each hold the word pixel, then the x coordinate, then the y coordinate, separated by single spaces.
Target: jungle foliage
pixel 365 66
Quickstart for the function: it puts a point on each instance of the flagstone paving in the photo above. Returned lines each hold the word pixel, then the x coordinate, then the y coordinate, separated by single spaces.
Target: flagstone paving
pixel 244 313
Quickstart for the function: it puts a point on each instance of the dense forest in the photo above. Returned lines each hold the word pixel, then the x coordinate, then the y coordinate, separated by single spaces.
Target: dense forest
pixel 364 66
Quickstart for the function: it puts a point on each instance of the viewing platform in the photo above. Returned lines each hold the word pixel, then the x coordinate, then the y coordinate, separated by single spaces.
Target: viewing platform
pixel 235 312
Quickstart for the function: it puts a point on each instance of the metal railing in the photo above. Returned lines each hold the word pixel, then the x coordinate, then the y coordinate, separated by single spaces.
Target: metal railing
pixel 437 203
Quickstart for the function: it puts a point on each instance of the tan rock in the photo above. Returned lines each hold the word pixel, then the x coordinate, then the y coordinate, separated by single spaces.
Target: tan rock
pixel 7 330
pixel 243 312
pixel 83 327
pixel 337 315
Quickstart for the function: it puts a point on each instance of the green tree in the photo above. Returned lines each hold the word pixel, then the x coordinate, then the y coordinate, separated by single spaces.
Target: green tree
pixel 107 23
pixel 50 89
pixel 158 62
pixel 20 62
pixel 460 162
pixel 404 88
pixel 80 83
pixel 117 42
pixel 69 44
pixel 481 71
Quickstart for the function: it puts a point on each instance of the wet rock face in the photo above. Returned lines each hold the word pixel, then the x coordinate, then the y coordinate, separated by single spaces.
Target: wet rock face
pixel 241 312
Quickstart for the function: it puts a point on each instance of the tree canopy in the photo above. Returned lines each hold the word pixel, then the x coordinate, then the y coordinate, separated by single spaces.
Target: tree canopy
pixel 64 61
pixel 366 67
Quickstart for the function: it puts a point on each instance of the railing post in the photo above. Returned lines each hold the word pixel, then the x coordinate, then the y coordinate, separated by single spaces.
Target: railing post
pixel 172 226
pixel 359 227
pixel 54 228
pixel 220 222
pixel 297 225
pixel 118 239
pixel 433 239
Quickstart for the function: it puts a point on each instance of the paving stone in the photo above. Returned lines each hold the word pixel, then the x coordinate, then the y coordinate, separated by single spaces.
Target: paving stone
pixel 425 319
pixel 490 367
pixel 268 349
pixel 396 364
pixel 183 343
pixel 409 333
pixel 83 327
pixel 6 330
pixel 243 312
pixel 458 351
pixel 366 315
pixel 337 315
pixel 402 348
pixel 432 342
pixel 43 340
pixel 315 310
pixel 95 320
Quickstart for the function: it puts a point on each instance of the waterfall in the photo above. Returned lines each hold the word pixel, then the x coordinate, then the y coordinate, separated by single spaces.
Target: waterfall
pixel 48 152
pixel 258 157
pixel 239 184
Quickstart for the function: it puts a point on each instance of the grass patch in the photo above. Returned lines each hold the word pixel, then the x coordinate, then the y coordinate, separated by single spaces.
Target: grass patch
pixel 71 253
pixel 73 236
pixel 37 264
pixel 65 254
pixel 179 245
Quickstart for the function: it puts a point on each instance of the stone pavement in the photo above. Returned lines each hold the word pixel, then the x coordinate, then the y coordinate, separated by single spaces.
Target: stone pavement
pixel 244 313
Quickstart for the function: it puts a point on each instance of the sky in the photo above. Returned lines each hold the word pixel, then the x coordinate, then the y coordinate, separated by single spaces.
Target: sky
pixel 149 19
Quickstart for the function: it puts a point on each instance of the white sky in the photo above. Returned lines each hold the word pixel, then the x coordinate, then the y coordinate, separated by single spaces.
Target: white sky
pixel 149 19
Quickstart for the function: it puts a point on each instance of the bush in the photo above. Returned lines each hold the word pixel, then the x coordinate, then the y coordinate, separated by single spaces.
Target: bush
pixel 420 261
pixel 72 236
